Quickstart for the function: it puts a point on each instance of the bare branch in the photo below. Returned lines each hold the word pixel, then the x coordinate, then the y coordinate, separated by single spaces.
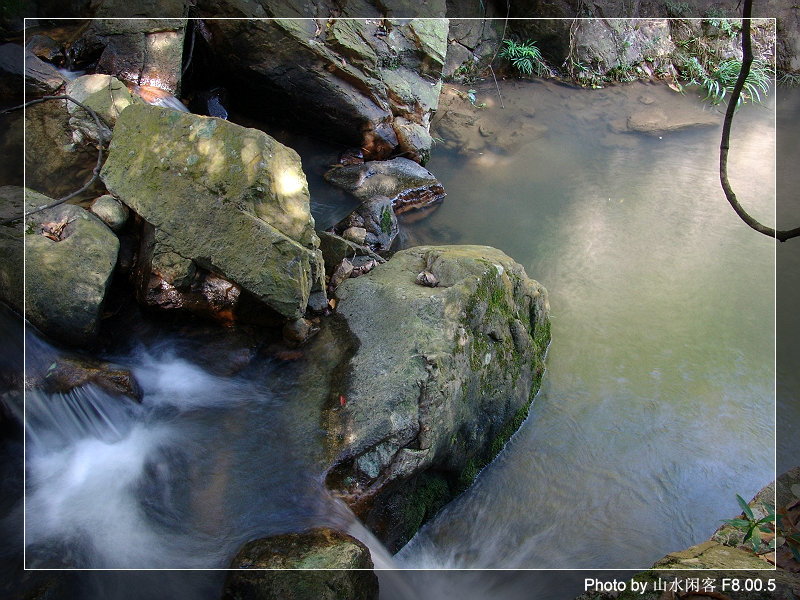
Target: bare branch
pixel 733 101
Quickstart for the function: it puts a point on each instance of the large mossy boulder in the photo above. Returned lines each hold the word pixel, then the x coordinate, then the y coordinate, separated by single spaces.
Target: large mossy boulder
pixel 441 379
pixel 327 565
pixel 216 197
pixel 368 81
pixel 70 257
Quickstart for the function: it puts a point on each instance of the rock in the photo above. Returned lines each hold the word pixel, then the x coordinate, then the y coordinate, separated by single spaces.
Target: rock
pixel 105 95
pixel 355 234
pixel 337 566
pixel 137 51
pixel 468 129
pixel 658 121
pixel 218 197
pixel 58 159
pixel 341 273
pixel 11 248
pixel 413 140
pixel 407 184
pixel 298 331
pixel 335 248
pixel 349 78
pixel 110 211
pixel 380 222
pixel 605 45
pixel 68 373
pixel 45 48
pixel 427 278
pixel 67 280
pixel 440 379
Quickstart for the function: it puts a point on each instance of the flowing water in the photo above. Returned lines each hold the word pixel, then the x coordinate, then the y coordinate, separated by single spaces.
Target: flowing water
pixel 656 409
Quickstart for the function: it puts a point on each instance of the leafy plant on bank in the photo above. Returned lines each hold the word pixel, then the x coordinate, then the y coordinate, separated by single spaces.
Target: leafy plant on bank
pixel 723 79
pixel 752 527
pixel 525 57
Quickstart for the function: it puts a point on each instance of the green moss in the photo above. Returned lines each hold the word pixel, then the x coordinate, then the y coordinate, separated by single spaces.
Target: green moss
pixel 430 494
pixel 468 474
pixel 386 221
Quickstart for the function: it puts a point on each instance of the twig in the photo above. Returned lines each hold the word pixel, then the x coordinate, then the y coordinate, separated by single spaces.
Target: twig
pixel 191 52
pixel 499 95
pixel 95 172
pixel 747 60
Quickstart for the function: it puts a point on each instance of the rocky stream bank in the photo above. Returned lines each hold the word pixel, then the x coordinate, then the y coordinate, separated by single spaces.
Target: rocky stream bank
pixel 445 345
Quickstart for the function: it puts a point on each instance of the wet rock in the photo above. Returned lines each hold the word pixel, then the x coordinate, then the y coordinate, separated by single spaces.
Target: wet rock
pixel 110 211
pixel 217 196
pixel 413 140
pixel 351 78
pixel 68 373
pixel 298 332
pixel 11 247
pixel 440 379
pixel 349 568
pixel 67 280
pixel 407 184
pixel 46 48
pixel 380 222
pixel 655 121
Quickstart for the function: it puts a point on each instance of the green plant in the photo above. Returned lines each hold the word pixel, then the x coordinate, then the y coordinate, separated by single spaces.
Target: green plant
pixel 677 9
pixel 750 526
pixel 723 79
pixel 525 57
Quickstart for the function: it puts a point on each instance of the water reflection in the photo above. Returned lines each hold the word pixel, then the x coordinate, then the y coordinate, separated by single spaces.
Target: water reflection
pixel 658 402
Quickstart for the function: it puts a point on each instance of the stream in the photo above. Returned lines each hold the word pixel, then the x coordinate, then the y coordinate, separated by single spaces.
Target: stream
pixel 657 407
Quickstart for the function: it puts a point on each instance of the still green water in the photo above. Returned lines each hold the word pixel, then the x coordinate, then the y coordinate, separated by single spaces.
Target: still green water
pixel 658 402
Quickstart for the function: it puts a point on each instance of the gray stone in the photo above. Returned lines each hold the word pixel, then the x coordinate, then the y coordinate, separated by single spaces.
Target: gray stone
pixel 67 280
pixel 111 211
pixel 221 197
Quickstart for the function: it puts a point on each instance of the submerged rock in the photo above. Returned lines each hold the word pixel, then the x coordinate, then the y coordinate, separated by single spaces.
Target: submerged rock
pixel 68 373
pixel 70 256
pixel 441 379
pixel 337 566
pixel 216 197
pixel 407 184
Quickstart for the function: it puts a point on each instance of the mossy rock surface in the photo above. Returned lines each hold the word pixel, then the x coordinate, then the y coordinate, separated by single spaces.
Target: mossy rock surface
pixel 321 564
pixel 226 198
pixel 67 280
pixel 441 379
